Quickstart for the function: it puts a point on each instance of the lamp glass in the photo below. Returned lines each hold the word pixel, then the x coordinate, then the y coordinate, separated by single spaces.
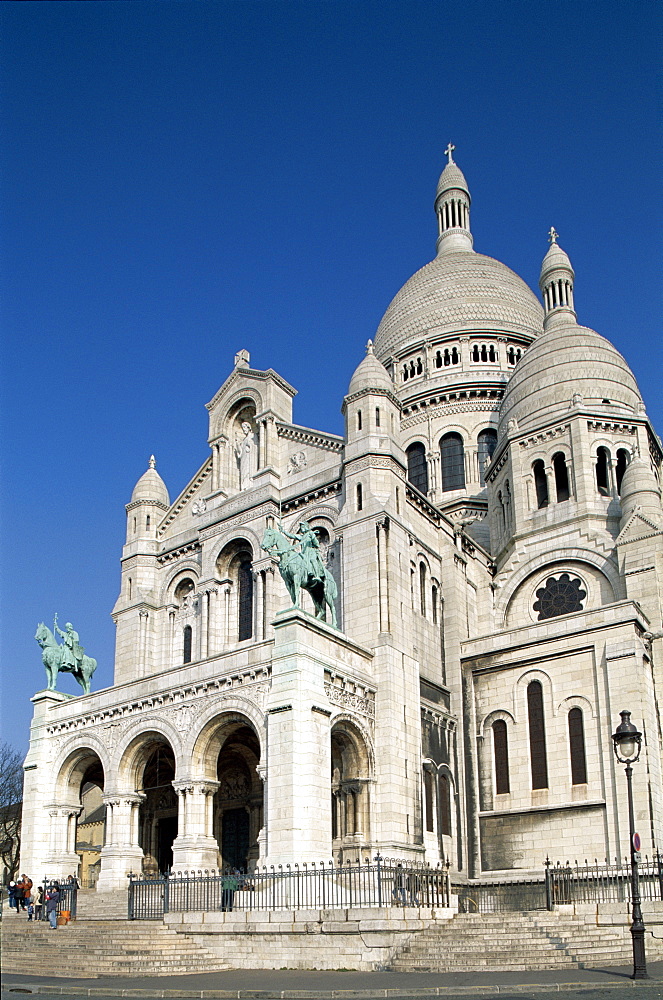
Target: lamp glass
pixel 627 748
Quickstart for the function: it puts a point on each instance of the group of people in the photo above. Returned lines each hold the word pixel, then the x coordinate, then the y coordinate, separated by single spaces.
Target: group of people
pixel 35 902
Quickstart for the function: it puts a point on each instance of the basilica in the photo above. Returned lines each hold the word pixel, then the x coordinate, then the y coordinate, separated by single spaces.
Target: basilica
pixel 492 528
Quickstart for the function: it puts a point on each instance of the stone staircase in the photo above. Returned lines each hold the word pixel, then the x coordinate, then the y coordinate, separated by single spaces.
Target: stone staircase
pixel 96 947
pixel 514 941
pixel 92 905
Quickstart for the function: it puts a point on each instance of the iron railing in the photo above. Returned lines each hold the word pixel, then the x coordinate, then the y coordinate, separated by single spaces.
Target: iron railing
pixel 323 886
pixel 603 882
pixel 494 896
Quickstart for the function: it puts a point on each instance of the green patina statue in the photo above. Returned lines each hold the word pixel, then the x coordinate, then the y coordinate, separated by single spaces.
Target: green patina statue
pixel 69 656
pixel 301 566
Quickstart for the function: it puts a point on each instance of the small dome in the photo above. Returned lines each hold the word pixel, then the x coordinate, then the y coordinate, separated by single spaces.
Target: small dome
pixel 458 292
pixel 568 360
pixel 451 178
pixel 151 486
pixel 555 259
pixel 639 487
pixel 370 374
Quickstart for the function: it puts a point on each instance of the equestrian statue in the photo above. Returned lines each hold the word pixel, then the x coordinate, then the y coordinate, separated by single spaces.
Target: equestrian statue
pixel 301 566
pixel 68 655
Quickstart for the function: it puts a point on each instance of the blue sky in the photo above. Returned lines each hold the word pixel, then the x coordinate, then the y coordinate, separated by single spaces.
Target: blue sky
pixel 183 179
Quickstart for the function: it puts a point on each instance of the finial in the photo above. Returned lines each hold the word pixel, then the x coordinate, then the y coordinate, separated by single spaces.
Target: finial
pixel 553 235
pixel 449 152
pixel 152 462
pixel 369 347
pixel 242 359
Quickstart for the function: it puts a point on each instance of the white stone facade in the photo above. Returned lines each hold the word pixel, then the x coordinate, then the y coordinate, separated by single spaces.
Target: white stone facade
pixel 492 519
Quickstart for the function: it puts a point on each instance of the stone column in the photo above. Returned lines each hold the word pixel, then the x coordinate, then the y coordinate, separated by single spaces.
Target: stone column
pixel 382 530
pixel 121 852
pixel 195 847
pixel 213 622
pixel 142 641
pixel 61 859
pixel 204 624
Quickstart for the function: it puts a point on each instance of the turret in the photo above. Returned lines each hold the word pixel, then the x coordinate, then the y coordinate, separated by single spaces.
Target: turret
pixel 452 207
pixel 149 502
pixel 556 284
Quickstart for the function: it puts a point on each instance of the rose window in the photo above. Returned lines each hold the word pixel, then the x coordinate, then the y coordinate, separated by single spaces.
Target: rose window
pixel 559 596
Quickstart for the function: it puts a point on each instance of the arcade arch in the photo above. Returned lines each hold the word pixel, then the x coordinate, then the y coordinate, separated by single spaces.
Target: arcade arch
pixel 350 763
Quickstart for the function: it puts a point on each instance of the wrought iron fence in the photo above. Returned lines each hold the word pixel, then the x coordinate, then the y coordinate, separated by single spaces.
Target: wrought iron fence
pixel 492 896
pixel 603 882
pixel 323 886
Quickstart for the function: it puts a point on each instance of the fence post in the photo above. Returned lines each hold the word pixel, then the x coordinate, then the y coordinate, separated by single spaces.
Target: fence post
pixel 130 899
pixel 166 891
pixel 378 858
pixel 659 865
pixel 549 894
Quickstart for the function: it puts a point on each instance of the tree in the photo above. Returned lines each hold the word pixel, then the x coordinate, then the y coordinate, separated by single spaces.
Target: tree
pixel 11 795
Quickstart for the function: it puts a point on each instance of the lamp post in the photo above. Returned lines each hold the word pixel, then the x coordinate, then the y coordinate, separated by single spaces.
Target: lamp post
pixel 627 742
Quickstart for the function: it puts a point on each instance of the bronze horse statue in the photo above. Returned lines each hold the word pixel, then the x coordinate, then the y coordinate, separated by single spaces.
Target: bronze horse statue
pixel 52 658
pixel 296 575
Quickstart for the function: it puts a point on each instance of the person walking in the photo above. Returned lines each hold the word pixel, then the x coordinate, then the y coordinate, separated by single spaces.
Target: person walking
pixel 52 900
pixel 12 891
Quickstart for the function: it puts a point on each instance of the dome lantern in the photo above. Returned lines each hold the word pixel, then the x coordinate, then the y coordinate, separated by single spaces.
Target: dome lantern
pixel 452 207
pixel 556 283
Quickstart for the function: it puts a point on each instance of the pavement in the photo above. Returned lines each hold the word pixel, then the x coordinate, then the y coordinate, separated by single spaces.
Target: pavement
pixel 290 984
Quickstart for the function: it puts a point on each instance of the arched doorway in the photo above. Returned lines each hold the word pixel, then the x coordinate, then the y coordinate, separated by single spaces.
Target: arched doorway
pixel 158 810
pixel 349 791
pixel 80 820
pixel 238 802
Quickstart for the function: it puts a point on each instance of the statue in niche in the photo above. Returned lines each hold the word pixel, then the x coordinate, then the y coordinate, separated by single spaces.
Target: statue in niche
pixel 245 450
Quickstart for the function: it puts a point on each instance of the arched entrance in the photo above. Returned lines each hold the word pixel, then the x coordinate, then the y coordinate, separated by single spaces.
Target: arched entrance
pixel 238 802
pixel 78 822
pixel 158 810
pixel 349 791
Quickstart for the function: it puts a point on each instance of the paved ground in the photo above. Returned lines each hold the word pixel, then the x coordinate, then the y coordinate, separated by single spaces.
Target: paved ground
pixel 261 984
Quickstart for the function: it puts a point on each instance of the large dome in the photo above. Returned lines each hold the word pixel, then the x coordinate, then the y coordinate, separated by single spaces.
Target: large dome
pixel 460 291
pixel 566 361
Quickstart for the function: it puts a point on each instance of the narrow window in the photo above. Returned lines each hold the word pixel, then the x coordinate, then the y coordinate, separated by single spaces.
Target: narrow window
pixel 147 523
pixel 475 353
pixel 188 634
pixel 492 356
pixel 420 367
pixel 500 750
pixel 447 357
pixel 453 462
pixel 438 360
pixel 429 798
pixel 135 526
pixel 245 600
pixel 622 462
pixel 445 805
pixel 577 747
pixel 358 420
pixel 129 588
pixel 455 356
pixel 433 597
pixel 360 496
pixel 405 374
pixel 540 483
pixel 602 459
pixel 484 353
pixel 377 416
pixel 486 444
pixel 417 467
pixel 537 735
pixel 422 588
pixel 561 477
pixel 511 356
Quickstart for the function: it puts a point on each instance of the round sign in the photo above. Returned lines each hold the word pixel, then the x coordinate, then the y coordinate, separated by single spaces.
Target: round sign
pixel 636 842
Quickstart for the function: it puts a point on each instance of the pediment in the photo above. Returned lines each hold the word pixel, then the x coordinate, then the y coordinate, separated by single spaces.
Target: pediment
pixel 638 528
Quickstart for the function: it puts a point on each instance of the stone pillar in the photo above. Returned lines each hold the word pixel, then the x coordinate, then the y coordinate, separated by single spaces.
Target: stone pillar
pixel 121 852
pixel 142 641
pixel 299 742
pixel 226 612
pixel 195 846
pixel 213 644
pixel 61 859
pixel 382 530
pixel 204 624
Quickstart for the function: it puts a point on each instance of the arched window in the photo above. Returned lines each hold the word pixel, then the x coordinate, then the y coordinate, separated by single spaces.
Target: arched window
pixel 486 444
pixel 417 467
pixel 561 477
pixel 188 637
pixel 622 462
pixel 422 588
pixel 455 356
pixel 245 600
pixel 129 588
pixel 577 747
pixel 540 483
pixel 453 462
pixel 445 804
pixel 602 463
pixel 429 798
pixel 360 496
pixel 537 735
pixel 377 416
pixel 433 598
pixel 559 596
pixel 500 750
pixel 147 523
pixel 358 420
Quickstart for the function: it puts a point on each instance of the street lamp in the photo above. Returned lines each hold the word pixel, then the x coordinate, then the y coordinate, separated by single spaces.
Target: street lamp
pixel 627 742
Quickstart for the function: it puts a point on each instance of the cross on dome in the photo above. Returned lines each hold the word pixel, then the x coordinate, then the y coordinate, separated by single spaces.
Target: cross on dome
pixel 553 235
pixel 449 151
pixel 153 462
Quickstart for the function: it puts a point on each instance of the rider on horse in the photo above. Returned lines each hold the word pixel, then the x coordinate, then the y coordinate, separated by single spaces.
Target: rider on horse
pixel 310 550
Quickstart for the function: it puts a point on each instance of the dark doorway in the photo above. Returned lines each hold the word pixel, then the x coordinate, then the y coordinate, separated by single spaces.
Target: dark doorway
pixel 235 838
pixel 166 833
